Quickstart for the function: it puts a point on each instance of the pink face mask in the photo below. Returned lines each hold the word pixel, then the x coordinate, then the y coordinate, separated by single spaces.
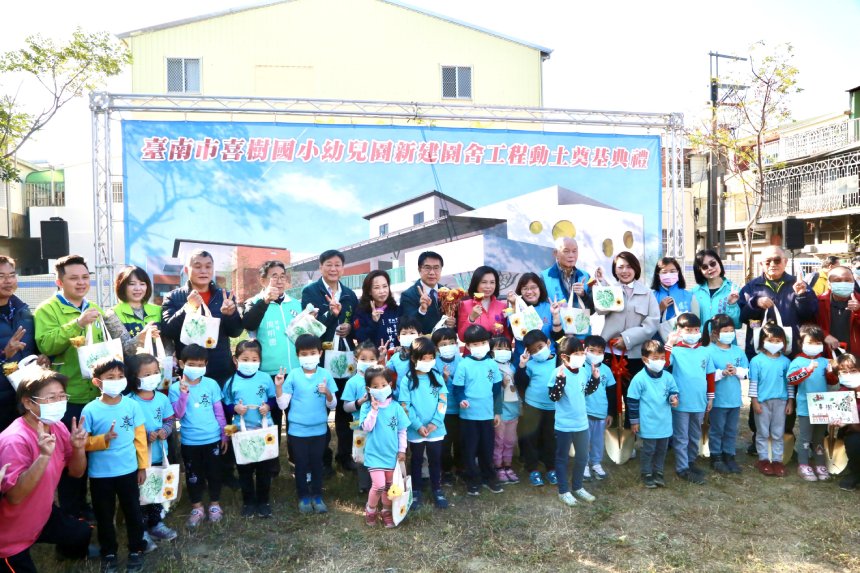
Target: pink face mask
pixel 668 279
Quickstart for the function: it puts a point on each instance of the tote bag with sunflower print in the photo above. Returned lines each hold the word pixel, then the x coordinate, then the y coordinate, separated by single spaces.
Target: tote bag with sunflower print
pixel 162 482
pixel 575 320
pixel 200 328
pixel 252 446
pixel 525 319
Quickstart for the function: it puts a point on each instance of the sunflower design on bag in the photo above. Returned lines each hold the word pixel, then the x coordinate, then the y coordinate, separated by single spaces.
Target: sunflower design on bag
pixel 168 478
pixel 402 510
pixel 517 322
pixel 210 342
pixel 358 442
pixel 169 493
pixel 568 321
pixel 394 491
pixel 270 439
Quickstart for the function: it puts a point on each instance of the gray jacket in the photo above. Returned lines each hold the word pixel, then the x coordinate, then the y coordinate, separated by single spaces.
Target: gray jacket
pixel 636 323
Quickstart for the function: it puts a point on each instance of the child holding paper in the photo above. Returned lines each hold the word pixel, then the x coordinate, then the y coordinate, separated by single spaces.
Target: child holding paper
pixel 808 372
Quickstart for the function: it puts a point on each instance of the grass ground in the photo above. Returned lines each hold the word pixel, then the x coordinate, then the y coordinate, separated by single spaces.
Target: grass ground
pixel 744 523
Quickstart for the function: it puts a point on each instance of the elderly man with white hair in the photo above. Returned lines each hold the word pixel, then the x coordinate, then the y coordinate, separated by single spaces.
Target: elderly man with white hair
pixel 563 276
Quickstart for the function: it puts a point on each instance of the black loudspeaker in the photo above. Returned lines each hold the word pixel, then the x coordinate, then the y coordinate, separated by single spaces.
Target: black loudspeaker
pixel 792 234
pixel 55 239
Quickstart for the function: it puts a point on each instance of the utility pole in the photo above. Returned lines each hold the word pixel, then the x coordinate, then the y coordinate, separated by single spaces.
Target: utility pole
pixel 717 198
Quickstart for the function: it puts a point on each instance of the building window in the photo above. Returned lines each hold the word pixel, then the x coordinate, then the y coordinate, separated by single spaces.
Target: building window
pixel 183 75
pixel 418 218
pixel 443 213
pixel 383 229
pixel 116 191
pixel 456 82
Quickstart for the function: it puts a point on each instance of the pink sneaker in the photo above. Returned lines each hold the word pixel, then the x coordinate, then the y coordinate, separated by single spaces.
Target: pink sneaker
pixel 511 475
pixel 805 472
pixel 215 513
pixel 822 472
pixel 370 516
pixel 501 475
pixel 196 517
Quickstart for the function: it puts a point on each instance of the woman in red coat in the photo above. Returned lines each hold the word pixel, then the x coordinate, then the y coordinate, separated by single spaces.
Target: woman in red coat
pixel 483 307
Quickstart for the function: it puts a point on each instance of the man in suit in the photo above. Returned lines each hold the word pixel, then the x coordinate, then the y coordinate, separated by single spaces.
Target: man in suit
pixel 421 300
pixel 336 303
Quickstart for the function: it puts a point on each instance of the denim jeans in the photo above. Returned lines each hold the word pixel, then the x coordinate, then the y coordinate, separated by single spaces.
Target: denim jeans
pixel 687 431
pixel 563 440
pixel 724 430
pixel 596 428
pixel 652 455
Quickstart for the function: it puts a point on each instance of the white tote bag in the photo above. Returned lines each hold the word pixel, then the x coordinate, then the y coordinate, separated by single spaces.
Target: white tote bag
pixel 162 482
pixel 525 319
pixel 200 328
pixel 155 347
pixel 400 484
pixel 305 323
pixel 608 298
pixel 90 354
pixel 341 363
pixel 28 368
pixel 251 446
pixel 757 331
pixel 359 440
pixel 666 327
pixel 575 321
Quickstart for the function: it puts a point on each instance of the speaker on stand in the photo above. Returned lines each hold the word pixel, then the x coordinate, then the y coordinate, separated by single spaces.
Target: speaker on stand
pixel 793 237
pixel 54 238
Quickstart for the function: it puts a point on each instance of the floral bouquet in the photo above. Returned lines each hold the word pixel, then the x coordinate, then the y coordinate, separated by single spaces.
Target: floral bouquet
pixel 449 299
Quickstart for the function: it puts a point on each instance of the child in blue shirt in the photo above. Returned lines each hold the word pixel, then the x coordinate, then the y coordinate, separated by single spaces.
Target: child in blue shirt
pixel 730 367
pixel 506 431
pixel 537 421
pixel 650 398
pixel 448 358
pixel 311 390
pixel 808 372
pixel 769 398
pixel 354 396
pixel 424 397
pixel 249 395
pixel 196 400
pixel 408 330
pixel 118 458
pixel 693 371
pixel 158 421
pixel 573 381
pixel 385 423
pixel 600 406
pixel 478 390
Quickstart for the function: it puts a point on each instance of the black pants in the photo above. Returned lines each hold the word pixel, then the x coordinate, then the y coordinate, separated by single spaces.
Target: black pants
pixel 308 457
pixel 256 492
pixel 105 493
pixel 478 441
pixel 71 491
pixel 852 448
pixel 71 536
pixel 202 469
pixel 537 428
pixel 434 460
pixel 452 444
pixel 342 420
pixel 151 513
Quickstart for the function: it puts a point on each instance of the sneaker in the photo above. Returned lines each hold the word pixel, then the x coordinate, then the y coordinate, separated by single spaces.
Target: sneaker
pixel 733 466
pixel 264 510
pixel 696 469
pixel 371 516
pixel 751 450
pixel 805 471
pixel 473 490
pixel 720 466
pixel 134 563
pixel 848 483
pixel 501 475
pixel 552 477
pixel 416 500
pixel 778 469
pixel 822 473
pixel 535 479
pixel 512 476
pixel 162 532
pixel 248 510
pixel 216 514
pixel 493 486
pixel 648 480
pixel 109 564
pixel 150 545
pixel 764 467
pixel 448 478
pixel 659 480
pixel 586 475
pixel 598 472
pixel 305 506
pixel 582 494
pixel 196 518
pixel 319 505
pixel 691 477
pixel 567 499
pixel 439 499
pixel 387 518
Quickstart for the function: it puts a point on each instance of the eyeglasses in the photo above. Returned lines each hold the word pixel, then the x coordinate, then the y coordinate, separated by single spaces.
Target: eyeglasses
pixel 50 399
pixel 773 260
pixel 429 269
pixel 710 265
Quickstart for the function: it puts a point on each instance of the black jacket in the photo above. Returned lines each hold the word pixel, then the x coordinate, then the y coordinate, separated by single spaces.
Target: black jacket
pixel 315 294
pixel 220 365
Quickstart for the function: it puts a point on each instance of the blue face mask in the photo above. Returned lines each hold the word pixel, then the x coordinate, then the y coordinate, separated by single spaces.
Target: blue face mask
pixel 248 368
pixel 691 338
pixel 728 337
pixel 380 394
pixel 542 355
pixel 194 372
pixel 842 290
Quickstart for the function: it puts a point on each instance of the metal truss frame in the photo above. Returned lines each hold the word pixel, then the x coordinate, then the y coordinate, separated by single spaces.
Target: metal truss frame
pixel 104 106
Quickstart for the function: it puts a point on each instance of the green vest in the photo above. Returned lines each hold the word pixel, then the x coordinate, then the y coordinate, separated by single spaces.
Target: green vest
pixel 278 350
pixel 123 311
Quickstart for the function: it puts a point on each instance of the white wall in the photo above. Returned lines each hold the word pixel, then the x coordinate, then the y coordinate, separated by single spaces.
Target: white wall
pixel 401 218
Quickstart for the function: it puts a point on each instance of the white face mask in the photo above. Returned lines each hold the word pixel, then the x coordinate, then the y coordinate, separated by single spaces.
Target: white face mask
pixel 248 368
pixel 728 337
pixel 150 383
pixel 53 412
pixel 576 361
pixel 594 359
pixel 502 356
pixel 309 362
pixel 655 366
pixel 363 365
pixel 448 352
pixel 194 372
pixel 425 365
pixel 380 394
pixel 480 351
pixel 812 349
pixel 773 347
pixel 113 388
pixel 406 340
pixel 850 379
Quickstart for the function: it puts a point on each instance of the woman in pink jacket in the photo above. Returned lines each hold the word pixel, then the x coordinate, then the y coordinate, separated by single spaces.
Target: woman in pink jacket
pixel 483 307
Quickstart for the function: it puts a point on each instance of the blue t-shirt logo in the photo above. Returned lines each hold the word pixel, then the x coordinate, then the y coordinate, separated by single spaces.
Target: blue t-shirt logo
pixel 392 422
pixel 704 362
pixel 126 423
pixel 157 414
pixel 491 376
pixel 435 391
pixel 204 400
pixel 261 391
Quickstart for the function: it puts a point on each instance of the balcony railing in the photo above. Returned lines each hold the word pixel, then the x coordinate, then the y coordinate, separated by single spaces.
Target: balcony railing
pixel 812 141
